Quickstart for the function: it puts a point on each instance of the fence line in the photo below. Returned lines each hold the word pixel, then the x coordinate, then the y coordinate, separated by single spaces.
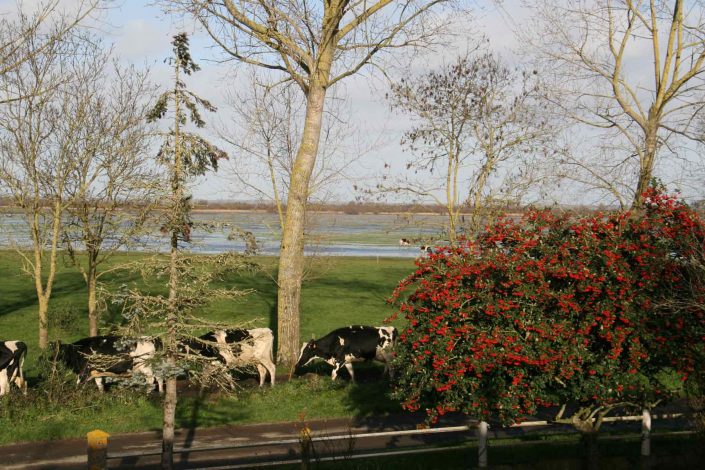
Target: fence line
pixel 480 426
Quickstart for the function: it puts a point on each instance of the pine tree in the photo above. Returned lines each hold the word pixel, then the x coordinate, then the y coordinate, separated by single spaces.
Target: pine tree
pixel 170 319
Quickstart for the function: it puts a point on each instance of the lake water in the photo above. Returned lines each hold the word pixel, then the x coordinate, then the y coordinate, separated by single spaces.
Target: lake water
pixel 329 234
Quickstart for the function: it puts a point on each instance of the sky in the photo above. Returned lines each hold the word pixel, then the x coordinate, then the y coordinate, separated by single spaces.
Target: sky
pixel 141 33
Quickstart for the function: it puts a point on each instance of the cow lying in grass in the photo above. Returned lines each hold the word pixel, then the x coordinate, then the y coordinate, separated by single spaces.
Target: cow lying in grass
pixel 350 344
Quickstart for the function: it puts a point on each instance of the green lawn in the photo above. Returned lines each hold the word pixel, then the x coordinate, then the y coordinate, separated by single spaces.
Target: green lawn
pixel 339 292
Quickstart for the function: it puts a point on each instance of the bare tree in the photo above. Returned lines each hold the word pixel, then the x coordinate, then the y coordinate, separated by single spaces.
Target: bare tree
pixel 266 128
pixel 113 188
pixel 469 118
pixel 629 69
pixel 266 133
pixel 16 32
pixel 315 45
pixel 37 143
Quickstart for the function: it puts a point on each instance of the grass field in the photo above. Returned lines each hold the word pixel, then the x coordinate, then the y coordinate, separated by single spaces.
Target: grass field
pixel 339 292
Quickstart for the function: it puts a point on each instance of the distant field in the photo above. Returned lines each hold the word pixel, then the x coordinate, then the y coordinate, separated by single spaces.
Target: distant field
pixel 341 291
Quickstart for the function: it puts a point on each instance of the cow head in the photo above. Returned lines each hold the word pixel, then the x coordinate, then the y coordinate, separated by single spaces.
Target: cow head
pixel 309 352
pixel 68 355
pixel 57 351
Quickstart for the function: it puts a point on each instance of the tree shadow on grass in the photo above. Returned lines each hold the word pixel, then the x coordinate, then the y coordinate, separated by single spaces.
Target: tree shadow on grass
pixel 20 293
pixel 369 396
pixel 371 399
pixel 207 409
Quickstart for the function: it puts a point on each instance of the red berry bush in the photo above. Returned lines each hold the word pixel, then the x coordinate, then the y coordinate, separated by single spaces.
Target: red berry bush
pixel 551 309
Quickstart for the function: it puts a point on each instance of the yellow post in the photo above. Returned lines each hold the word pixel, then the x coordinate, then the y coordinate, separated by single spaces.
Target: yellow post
pixel 97 450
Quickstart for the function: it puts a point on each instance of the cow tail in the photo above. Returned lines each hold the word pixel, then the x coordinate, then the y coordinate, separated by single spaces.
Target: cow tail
pixel 22 348
pixel 270 348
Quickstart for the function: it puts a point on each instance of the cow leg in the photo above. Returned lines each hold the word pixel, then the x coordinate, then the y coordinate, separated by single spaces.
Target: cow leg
pixel 272 369
pixel 349 367
pixel 20 380
pixel 149 378
pixel 21 384
pixel 160 385
pixel 262 374
pixel 336 368
pixel 389 370
pixel 388 358
pixel 4 383
pixel 99 384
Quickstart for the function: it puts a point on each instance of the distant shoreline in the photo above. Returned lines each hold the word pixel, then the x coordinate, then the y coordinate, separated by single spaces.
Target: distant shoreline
pixel 325 211
pixel 16 210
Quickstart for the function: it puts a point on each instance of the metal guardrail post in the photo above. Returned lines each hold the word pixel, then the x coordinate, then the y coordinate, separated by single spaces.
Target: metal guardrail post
pixel 97 449
pixel 482 444
pixel 645 432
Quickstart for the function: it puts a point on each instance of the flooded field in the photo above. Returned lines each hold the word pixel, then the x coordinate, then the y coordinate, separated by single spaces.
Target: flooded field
pixel 331 234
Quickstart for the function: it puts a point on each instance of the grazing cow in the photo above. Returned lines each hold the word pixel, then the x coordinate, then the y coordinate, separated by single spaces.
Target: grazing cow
pixel 239 347
pixel 426 250
pixel 350 344
pixel 12 355
pixel 129 357
pixel 404 242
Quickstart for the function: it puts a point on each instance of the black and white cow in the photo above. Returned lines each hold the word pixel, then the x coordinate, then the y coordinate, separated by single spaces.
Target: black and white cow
pixel 350 344
pixel 239 347
pixel 12 355
pixel 130 356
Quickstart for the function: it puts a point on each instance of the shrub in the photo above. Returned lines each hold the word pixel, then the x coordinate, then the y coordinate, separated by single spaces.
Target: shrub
pixel 67 318
pixel 550 309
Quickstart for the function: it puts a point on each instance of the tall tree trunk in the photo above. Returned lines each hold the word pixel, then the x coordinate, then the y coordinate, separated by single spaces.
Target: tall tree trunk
pixel 646 164
pixel 44 289
pixel 43 322
pixel 176 223
pixel 291 258
pixel 451 197
pixel 42 301
pixel 169 405
pixel 168 424
pixel 476 193
pixel 91 282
